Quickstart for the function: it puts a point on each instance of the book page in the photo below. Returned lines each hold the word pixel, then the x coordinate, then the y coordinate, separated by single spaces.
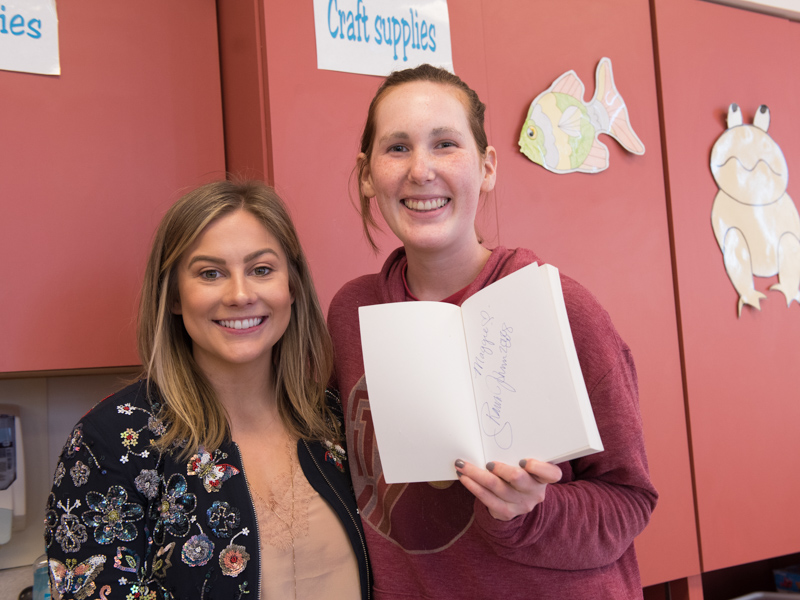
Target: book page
pixel 420 392
pixel 530 400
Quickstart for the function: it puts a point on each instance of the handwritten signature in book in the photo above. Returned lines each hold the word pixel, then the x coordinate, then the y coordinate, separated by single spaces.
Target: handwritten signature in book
pixel 485 351
pixel 496 382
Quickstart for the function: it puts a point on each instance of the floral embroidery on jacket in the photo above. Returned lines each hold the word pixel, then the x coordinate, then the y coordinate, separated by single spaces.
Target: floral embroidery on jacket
pixel 79 473
pixel 128 561
pixel 172 509
pixel 144 586
pixel 75 444
pixel 74 441
pixel 233 559
pixel 198 550
pixel 60 472
pixel 50 520
pixel 129 438
pixel 148 482
pixel 242 590
pixel 141 592
pixel 223 519
pixel 126 521
pixel 156 425
pixel 70 533
pixel 112 515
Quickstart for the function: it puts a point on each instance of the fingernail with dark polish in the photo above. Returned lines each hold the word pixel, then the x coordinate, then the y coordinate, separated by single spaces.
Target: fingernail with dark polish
pixel 490 466
pixel 523 462
pixel 459 473
pixel 459 464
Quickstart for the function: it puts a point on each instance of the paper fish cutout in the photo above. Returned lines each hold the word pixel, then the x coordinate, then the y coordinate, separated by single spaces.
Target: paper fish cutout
pixel 755 221
pixel 561 130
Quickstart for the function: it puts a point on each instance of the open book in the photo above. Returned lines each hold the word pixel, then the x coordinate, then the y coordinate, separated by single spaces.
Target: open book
pixel 496 379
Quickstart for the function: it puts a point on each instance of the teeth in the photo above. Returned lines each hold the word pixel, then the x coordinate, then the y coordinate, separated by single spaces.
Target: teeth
pixel 425 204
pixel 242 323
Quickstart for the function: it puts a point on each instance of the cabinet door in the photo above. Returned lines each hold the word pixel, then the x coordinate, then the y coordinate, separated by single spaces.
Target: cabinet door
pixel 608 230
pixel 741 372
pixel 89 161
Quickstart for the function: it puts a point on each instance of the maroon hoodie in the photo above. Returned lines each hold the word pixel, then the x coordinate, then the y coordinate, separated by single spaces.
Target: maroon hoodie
pixel 435 540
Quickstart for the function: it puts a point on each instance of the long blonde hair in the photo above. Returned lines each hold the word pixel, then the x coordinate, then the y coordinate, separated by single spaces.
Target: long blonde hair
pixel 303 356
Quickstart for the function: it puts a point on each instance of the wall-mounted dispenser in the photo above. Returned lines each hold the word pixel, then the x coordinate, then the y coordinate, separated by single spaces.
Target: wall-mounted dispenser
pixel 12 473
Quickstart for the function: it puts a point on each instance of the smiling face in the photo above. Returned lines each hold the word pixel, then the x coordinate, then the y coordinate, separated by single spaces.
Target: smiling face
pixel 233 293
pixel 425 169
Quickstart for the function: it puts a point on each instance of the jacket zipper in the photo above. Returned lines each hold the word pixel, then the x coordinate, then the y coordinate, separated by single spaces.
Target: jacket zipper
pixel 255 517
pixel 352 518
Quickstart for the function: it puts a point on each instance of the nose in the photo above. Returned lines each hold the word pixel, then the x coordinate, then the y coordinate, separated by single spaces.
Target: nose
pixel 421 169
pixel 239 291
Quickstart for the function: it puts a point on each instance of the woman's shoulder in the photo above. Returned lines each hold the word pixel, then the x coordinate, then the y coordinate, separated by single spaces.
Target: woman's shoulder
pixel 134 395
pixel 134 406
pixel 579 298
pixel 597 341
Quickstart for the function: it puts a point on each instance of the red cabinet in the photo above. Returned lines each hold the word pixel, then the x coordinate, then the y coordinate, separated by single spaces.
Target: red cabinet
pixel 89 160
pixel 741 382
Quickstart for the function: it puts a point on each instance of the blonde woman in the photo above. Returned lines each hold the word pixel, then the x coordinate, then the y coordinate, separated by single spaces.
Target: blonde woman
pixel 220 474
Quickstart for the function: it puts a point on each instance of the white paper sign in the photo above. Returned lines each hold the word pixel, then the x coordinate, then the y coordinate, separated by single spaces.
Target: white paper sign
pixel 29 36
pixel 376 37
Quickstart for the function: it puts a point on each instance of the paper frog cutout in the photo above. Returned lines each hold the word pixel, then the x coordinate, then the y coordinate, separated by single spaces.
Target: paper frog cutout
pixel 755 221
pixel 561 130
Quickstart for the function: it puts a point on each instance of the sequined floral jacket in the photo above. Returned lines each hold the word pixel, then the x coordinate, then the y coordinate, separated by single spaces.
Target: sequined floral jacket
pixel 125 521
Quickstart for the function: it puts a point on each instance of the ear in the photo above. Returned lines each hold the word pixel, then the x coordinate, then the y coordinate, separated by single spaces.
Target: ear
pixel 489 169
pixel 734 115
pixel 761 120
pixel 176 307
pixel 366 178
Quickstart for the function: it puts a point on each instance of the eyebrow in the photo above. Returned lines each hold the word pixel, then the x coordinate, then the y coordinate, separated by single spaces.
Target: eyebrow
pixel 445 131
pixel 395 135
pixel 436 132
pixel 221 261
